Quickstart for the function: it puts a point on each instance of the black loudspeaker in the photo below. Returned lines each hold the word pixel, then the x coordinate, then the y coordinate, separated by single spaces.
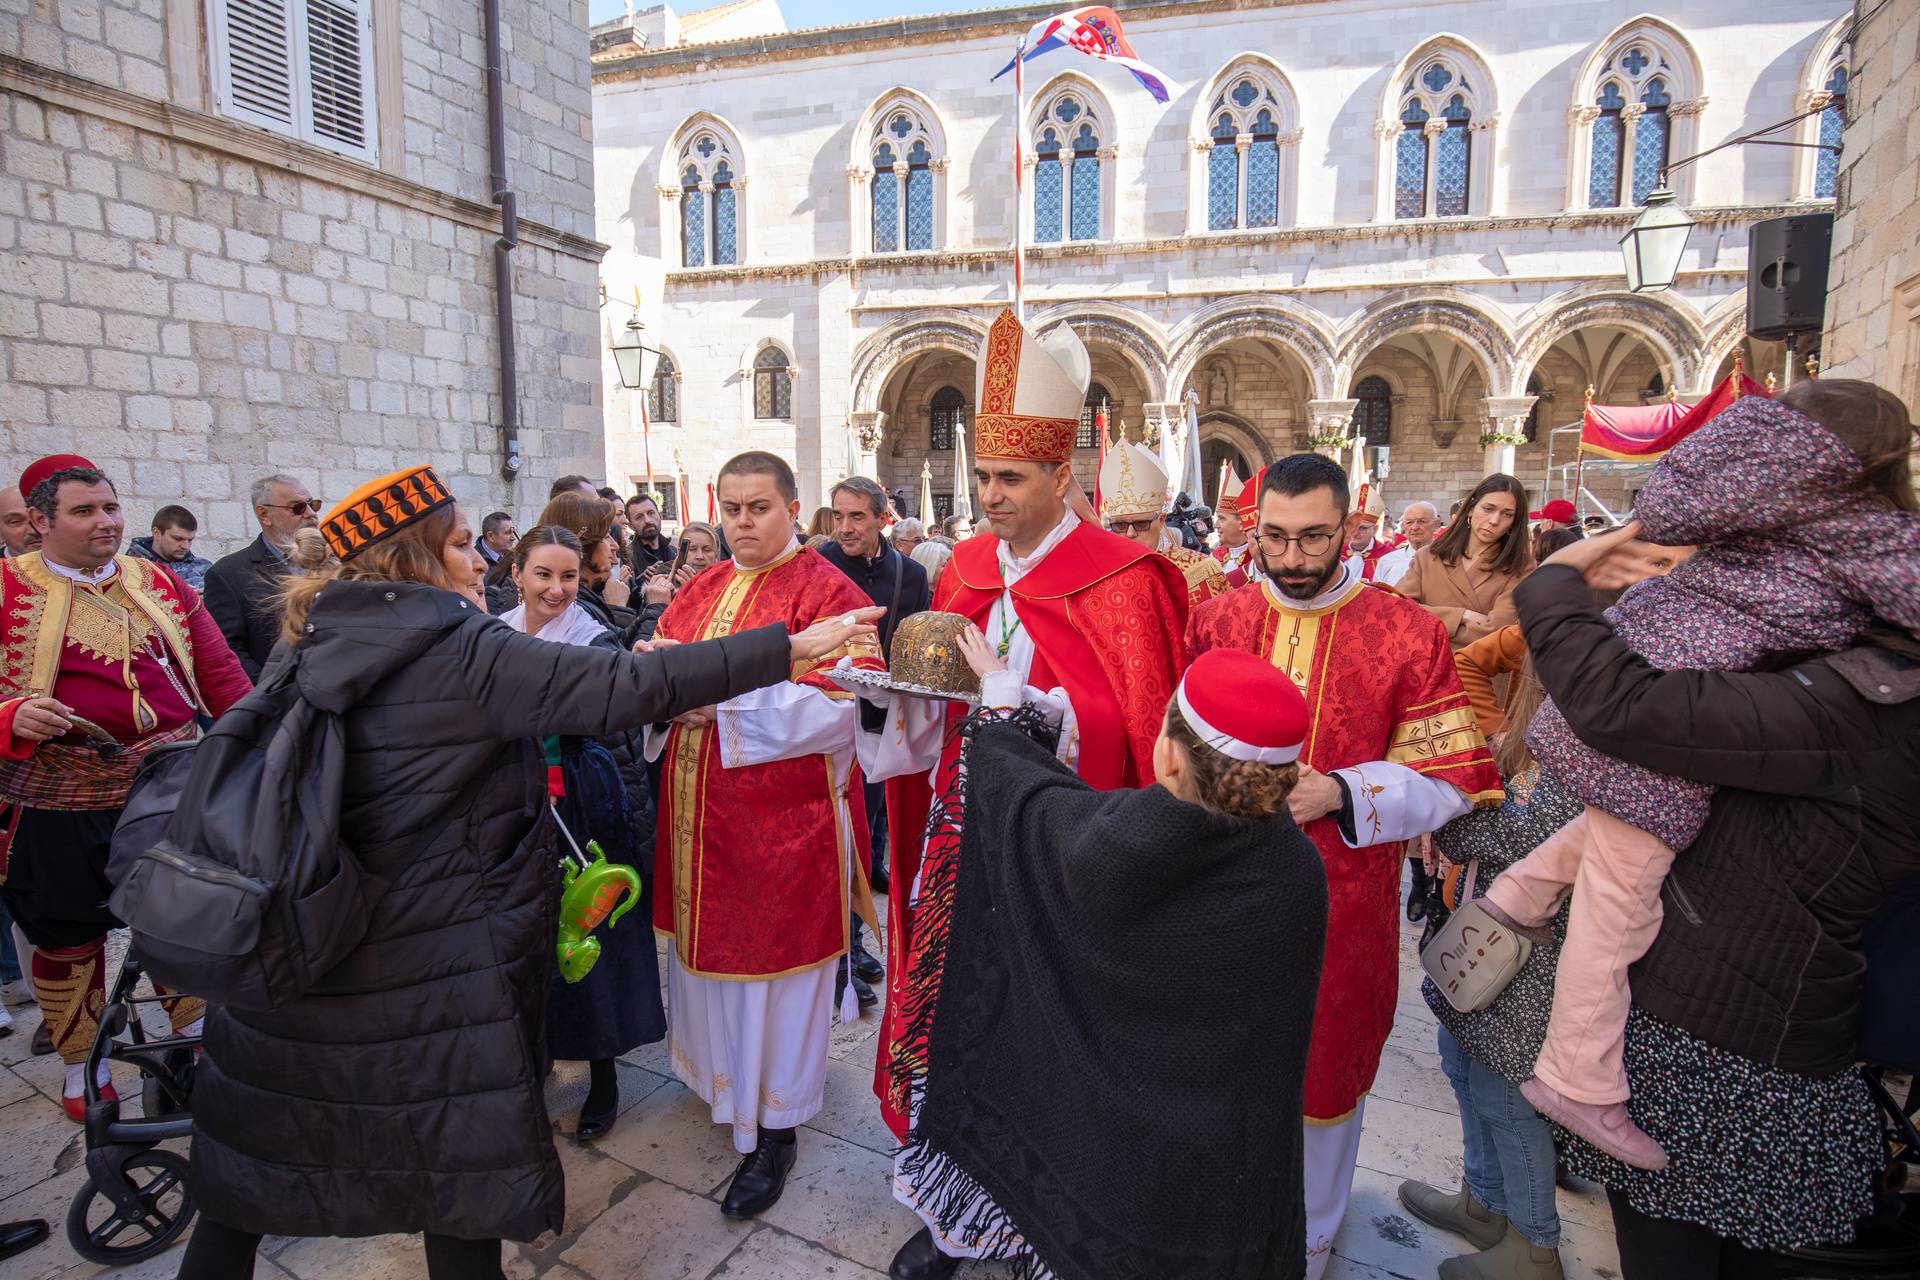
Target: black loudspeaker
pixel 1787 275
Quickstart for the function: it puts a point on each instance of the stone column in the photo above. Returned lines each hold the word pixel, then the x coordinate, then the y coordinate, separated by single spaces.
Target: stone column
pixel 1331 421
pixel 1506 427
pixel 869 431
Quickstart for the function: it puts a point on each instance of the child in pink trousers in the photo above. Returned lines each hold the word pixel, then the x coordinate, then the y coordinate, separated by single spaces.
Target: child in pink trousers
pixel 1806 530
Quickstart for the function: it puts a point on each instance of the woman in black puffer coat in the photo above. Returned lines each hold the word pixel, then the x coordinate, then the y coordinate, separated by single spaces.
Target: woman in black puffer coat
pixel 402 1093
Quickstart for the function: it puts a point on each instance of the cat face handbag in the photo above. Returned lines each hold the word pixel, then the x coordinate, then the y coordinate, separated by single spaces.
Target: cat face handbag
pixel 1472 957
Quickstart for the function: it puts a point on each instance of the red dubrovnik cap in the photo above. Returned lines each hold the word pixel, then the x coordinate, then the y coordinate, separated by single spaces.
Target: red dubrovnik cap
pixel 1560 511
pixel 37 472
pixel 1243 706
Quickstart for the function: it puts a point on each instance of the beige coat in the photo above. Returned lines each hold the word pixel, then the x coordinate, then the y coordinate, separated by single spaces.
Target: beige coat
pixel 1450 592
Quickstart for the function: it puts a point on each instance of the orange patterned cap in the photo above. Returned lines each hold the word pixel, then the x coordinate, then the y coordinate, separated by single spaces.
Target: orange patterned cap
pixel 382 507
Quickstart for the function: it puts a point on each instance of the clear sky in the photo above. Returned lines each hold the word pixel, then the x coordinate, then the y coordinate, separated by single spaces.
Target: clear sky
pixel 818 13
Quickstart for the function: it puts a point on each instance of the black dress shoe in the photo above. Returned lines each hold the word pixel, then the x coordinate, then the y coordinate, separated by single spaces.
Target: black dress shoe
pixel 42 1041
pixel 920 1259
pixel 866 967
pixel 864 994
pixel 596 1124
pixel 18 1237
pixel 761 1177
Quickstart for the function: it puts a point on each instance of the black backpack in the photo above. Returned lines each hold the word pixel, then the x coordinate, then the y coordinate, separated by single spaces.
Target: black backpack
pixel 227 863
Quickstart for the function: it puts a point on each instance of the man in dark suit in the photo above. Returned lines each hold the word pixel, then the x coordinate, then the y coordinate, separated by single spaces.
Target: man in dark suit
pixel 242 588
pixel 899 583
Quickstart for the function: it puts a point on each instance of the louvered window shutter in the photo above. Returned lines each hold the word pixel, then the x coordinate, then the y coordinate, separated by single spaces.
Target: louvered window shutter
pixel 254 61
pixel 303 68
pixel 338 40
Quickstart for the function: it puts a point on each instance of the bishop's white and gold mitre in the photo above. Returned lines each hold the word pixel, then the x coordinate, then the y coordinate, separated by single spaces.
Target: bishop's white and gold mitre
pixel 1029 392
pixel 1132 482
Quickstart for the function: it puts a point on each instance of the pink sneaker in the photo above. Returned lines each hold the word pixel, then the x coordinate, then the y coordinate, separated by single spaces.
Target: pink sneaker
pixel 1606 1125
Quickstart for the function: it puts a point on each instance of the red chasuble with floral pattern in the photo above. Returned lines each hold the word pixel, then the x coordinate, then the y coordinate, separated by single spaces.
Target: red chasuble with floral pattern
pixel 1106 617
pixel 1380 684
pixel 750 861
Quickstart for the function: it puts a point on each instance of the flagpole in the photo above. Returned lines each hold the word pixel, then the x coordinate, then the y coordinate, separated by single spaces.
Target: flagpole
pixel 1019 182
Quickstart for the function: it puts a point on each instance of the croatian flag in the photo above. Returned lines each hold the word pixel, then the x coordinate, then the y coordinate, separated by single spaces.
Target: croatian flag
pixel 1095 31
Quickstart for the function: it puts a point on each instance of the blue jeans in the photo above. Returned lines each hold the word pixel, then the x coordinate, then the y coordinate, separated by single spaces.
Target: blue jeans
pixel 1508 1155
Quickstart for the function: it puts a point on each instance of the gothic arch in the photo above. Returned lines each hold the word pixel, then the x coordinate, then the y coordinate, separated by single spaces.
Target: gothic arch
pixel 860 161
pixel 1673 333
pixel 879 356
pixel 1830 52
pixel 1134 336
pixel 1277 94
pixel 1099 113
pixel 1680 63
pixel 1483 98
pixel 1455 313
pixel 1302 332
pixel 1237 431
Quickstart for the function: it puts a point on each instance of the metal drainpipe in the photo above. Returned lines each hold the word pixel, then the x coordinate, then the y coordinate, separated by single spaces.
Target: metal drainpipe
pixel 502 250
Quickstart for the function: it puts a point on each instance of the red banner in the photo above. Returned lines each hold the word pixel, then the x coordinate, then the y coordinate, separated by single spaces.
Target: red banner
pixel 1640 433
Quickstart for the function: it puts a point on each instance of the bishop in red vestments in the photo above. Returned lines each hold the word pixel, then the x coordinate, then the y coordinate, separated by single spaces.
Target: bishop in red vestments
pixel 1091 621
pixel 1393 752
pixel 755 859
pixel 122 644
pixel 1235 518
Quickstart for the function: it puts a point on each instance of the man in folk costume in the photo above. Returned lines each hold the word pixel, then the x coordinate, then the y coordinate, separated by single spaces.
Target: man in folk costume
pixel 1134 485
pixel 1092 624
pixel 106 658
pixel 1393 753
pixel 1235 552
pixel 756 862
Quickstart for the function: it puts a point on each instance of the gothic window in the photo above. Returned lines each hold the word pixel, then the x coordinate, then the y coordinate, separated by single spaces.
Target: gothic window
pixel 1373 416
pixel 945 418
pixel 1652 135
pixel 1243 164
pixel 1088 434
pixel 772 385
pixel 1643 81
pixel 903 148
pixel 1067 179
pixel 1433 168
pixel 1833 119
pixel 709 169
pixel 1609 145
pixel 663 397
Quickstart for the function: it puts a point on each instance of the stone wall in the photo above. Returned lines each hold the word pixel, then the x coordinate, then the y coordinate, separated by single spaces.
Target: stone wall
pixel 194 302
pixel 1873 298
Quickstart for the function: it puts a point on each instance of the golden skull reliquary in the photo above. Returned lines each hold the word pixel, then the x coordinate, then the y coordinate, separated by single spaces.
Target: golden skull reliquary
pixel 926 652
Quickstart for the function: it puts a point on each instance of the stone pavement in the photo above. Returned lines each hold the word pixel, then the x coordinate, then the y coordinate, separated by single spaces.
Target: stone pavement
pixel 643 1204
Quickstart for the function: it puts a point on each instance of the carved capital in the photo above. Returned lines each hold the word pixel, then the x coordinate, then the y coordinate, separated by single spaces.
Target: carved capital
pixel 1202 145
pixel 1815 100
pixel 668 193
pixel 1484 124
pixel 1633 111
pixel 739 181
pixel 1691 107
pixel 1110 152
pixel 941 165
pixel 1291 139
pixel 869 430
pixel 793 372
pixel 706 188
pixel 1242 141
pixel 1444 430
pixel 1434 127
pixel 900 168
pixel 1586 114
pixel 1386 128
pixel 858 172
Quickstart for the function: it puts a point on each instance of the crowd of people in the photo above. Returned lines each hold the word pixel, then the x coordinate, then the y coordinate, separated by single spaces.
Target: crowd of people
pixel 1679 753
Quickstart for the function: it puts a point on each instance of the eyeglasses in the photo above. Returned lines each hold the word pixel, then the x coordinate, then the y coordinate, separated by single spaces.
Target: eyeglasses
pixel 312 506
pixel 1311 544
pixel 1131 526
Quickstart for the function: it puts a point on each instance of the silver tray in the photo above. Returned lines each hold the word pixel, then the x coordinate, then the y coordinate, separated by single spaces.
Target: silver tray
pixel 881 680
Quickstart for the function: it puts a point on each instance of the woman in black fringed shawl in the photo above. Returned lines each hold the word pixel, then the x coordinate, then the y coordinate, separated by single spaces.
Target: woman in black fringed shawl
pixel 1113 1060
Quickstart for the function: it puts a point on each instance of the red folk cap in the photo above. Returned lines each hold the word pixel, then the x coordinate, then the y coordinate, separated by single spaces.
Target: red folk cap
pixel 1244 707
pixel 1560 511
pixel 37 472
